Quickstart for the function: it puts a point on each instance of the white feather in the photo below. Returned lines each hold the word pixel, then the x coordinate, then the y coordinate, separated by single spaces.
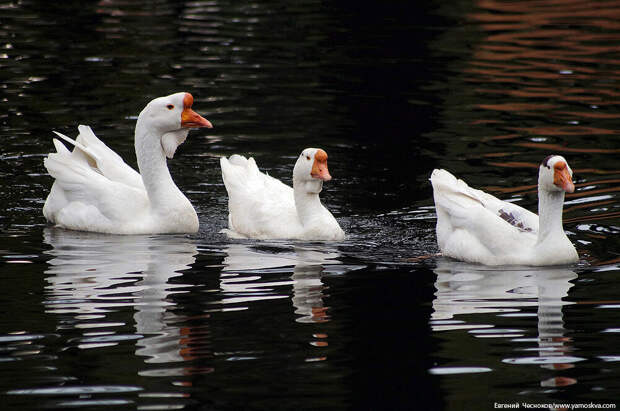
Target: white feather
pixel 95 190
pixel 263 207
pixel 477 227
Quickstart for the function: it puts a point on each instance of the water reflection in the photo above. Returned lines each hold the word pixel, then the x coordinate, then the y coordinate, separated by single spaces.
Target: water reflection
pixel 472 289
pixel 542 65
pixel 245 277
pixel 92 276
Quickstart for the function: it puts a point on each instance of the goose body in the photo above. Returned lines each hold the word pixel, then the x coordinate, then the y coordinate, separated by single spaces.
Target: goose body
pixel 263 207
pixel 95 190
pixel 477 227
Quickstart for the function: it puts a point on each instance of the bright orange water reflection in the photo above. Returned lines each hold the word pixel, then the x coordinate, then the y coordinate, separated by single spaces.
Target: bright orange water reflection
pixel 555 58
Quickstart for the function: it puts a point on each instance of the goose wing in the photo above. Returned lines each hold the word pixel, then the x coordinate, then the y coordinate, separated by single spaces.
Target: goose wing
pixel 259 205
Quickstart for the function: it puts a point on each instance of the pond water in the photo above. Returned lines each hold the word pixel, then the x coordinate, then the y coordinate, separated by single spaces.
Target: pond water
pixel 391 90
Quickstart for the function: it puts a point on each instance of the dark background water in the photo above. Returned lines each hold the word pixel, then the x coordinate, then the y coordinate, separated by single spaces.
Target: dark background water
pixel 390 90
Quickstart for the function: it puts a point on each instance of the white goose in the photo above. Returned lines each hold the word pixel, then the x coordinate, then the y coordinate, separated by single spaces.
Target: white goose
pixel 263 207
pixel 95 190
pixel 477 227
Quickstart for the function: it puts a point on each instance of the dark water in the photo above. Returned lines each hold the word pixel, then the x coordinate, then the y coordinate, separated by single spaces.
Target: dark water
pixel 390 90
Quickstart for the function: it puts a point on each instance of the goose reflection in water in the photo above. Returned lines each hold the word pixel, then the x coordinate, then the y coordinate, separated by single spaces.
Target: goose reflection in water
pixel 92 275
pixel 243 279
pixel 473 289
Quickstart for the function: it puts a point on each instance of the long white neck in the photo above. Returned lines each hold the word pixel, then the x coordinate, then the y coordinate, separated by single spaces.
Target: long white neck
pixel 157 180
pixel 550 205
pixel 307 199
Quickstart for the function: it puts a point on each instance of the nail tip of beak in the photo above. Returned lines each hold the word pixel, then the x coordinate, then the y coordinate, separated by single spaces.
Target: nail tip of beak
pixel 204 123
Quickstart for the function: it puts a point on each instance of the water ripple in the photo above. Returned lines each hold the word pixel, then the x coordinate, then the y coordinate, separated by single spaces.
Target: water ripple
pixel 77 389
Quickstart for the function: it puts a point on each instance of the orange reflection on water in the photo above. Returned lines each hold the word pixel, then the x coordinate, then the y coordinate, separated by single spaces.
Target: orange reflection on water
pixel 556 59
pixel 587 205
pixel 514 164
pixel 592 114
pixel 603 216
pixel 515 106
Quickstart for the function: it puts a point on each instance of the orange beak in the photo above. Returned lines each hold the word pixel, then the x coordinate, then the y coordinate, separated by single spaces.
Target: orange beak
pixel 562 178
pixel 319 167
pixel 191 119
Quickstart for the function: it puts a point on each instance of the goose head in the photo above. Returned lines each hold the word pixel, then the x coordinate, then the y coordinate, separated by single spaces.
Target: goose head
pixel 555 175
pixel 311 170
pixel 171 117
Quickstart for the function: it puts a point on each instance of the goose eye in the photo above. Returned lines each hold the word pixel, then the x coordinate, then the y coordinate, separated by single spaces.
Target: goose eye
pixel 170 106
pixel 307 157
